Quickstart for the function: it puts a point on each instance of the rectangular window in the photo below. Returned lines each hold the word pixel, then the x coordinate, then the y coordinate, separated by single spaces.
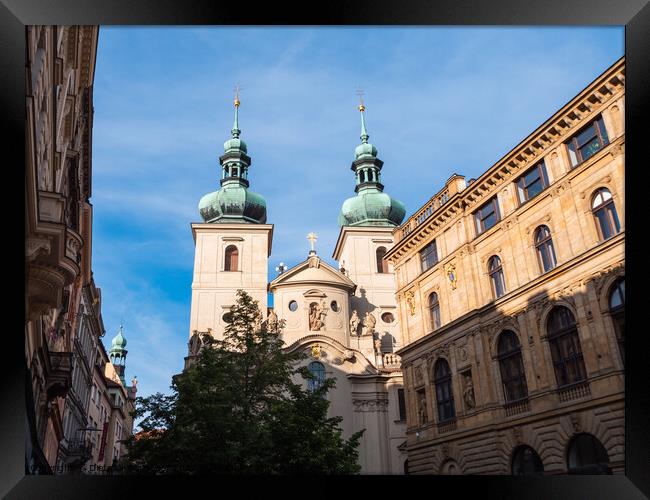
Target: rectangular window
pixel 402 404
pixel 487 216
pixel 587 142
pixel 533 182
pixel 429 256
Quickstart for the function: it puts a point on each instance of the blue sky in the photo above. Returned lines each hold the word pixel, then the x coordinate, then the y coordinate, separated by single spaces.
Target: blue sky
pixel 439 100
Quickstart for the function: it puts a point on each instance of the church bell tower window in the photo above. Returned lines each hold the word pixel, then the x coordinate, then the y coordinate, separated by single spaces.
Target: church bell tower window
pixel 232 258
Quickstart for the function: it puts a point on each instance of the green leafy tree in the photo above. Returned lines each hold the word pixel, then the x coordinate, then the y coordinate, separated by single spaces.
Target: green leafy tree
pixel 237 410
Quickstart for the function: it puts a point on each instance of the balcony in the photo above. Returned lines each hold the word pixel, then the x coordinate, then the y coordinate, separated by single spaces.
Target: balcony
pixel 58 378
pixel 80 448
pixel 516 407
pixel 574 391
pixel 392 362
pixel 447 426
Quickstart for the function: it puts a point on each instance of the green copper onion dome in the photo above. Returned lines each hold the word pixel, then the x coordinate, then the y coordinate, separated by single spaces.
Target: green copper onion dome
pixel 371 206
pixel 117 352
pixel 234 202
pixel 119 341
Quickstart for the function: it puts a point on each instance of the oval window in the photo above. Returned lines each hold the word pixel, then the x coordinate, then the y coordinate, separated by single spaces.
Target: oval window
pixel 335 307
pixel 227 317
pixel 293 306
pixel 387 317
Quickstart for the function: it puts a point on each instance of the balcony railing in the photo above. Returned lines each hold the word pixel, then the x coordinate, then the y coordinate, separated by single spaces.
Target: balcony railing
pixel 423 214
pixel 575 391
pixel 447 426
pixel 80 448
pixel 392 362
pixel 516 407
pixel 59 377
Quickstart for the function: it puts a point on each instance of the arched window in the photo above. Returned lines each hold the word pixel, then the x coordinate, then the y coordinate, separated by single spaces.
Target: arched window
pixel 496 275
pixel 444 391
pixel 317 369
pixel 382 265
pixel 526 462
pixel 587 455
pixel 605 214
pixel 434 311
pixel 545 251
pixel 511 365
pixel 617 310
pixel 565 347
pixel 232 258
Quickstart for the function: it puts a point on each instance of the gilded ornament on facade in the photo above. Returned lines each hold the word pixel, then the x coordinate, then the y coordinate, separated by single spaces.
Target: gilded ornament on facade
pixel 410 300
pixel 452 275
pixel 316 351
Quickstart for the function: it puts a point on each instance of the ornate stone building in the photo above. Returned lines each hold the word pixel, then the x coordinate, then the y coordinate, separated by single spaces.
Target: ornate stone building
pixel 111 404
pixel 63 322
pixel 60 69
pixel 345 319
pixel 511 295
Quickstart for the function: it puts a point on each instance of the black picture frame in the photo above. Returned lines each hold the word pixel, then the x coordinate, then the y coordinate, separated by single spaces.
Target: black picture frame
pixel 634 14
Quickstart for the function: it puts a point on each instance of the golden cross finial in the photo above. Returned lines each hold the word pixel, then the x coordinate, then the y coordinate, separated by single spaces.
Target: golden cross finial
pixel 237 89
pixel 312 239
pixel 362 106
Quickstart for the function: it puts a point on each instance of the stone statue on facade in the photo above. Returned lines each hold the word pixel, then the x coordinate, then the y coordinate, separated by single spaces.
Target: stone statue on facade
pixel 422 411
pixel 354 323
pixel 377 343
pixel 369 323
pixel 195 343
pixel 468 393
pixel 272 320
pixel 316 316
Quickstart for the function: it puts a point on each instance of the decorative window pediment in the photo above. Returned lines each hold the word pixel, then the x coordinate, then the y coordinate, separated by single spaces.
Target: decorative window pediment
pixel 314 293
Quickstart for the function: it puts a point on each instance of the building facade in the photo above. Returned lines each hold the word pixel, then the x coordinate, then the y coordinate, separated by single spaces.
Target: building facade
pixel 511 295
pixel 63 324
pixel 74 449
pixel 110 411
pixel 60 65
pixel 345 319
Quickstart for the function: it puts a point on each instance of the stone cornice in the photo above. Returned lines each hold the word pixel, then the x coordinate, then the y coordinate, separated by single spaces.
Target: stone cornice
pixel 370 405
pixel 552 133
pixel 346 230
pixel 234 227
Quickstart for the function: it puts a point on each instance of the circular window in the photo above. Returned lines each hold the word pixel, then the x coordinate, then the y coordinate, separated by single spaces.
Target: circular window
pixel 335 306
pixel 387 317
pixel 293 305
pixel 227 317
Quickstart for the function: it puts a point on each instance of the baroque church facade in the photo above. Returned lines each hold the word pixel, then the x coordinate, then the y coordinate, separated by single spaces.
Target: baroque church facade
pixel 345 319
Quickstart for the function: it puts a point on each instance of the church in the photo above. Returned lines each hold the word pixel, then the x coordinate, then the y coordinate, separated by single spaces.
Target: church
pixel 345 319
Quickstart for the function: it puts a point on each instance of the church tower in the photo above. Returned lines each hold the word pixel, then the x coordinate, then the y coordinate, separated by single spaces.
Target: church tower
pixel 232 244
pixel 367 223
pixel 117 354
